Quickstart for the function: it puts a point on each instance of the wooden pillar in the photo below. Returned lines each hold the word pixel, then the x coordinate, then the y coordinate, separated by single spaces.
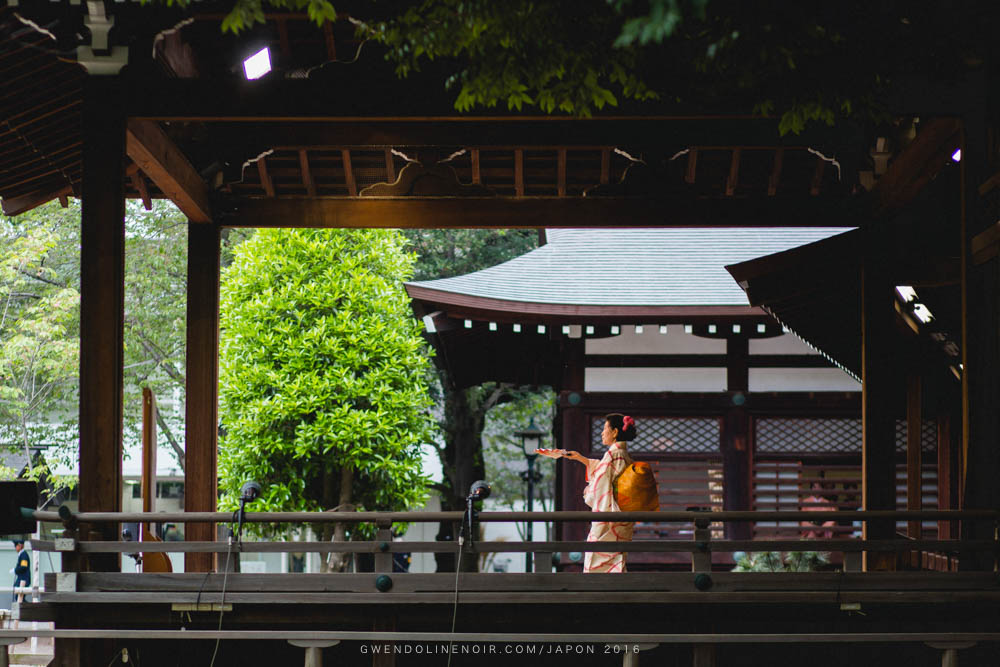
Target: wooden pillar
pixel 980 347
pixel 202 384
pixel 878 425
pixel 947 475
pixel 735 447
pixel 102 305
pixel 914 464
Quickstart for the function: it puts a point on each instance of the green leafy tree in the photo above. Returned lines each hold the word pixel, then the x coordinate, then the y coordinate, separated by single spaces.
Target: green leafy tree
pixel 323 391
pixel 39 325
pixel 804 62
pixel 463 413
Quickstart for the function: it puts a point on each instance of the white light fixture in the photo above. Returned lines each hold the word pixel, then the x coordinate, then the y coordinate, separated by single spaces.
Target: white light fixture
pixel 712 328
pixel 906 293
pixel 493 326
pixel 688 328
pixel 663 329
pixel 737 328
pixel 468 324
pixel 615 330
pixel 590 330
pixel 957 155
pixel 565 329
pixel 258 64
pixel 761 328
pixel 922 313
pixel 517 328
pixel 638 328
pixel 541 328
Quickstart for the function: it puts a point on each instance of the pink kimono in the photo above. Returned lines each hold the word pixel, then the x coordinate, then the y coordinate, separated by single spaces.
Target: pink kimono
pixel 599 495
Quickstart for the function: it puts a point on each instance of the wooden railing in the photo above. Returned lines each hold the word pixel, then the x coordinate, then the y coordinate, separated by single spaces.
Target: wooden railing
pixel 700 548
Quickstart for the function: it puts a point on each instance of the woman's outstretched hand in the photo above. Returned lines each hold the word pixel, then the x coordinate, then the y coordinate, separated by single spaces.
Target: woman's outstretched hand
pixel 576 456
pixel 552 453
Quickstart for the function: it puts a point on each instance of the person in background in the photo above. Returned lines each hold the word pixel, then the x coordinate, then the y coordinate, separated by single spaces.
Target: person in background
pixel 22 571
pixel 599 493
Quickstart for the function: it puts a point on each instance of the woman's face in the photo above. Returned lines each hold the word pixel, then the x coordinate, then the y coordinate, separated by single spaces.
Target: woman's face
pixel 609 435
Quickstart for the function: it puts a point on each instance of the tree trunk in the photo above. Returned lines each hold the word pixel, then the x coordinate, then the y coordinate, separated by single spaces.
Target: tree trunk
pixel 464 419
pixel 338 562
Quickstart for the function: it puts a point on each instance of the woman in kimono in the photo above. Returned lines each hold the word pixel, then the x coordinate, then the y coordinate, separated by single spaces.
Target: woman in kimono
pixel 599 492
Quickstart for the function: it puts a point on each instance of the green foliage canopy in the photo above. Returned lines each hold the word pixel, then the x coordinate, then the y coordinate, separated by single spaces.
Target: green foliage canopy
pixel 322 367
pixel 804 62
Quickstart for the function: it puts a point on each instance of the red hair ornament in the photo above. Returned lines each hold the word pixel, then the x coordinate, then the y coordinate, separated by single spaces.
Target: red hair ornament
pixel 627 423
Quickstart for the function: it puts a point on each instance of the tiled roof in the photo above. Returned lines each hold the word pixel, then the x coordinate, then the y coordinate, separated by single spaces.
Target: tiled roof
pixel 631 267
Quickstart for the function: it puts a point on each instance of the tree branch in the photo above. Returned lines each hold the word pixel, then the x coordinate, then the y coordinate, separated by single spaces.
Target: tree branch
pixel 41 278
pixel 178 450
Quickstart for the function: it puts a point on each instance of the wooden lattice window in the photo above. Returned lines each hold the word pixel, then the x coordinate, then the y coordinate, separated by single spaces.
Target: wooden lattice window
pixel 666 435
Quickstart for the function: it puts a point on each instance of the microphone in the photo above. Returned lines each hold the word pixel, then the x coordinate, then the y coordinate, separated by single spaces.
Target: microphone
pixel 250 492
pixel 480 490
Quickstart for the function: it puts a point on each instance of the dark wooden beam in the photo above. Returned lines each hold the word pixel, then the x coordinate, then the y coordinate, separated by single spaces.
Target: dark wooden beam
pixel 734 172
pixel 817 179
pixel 390 166
pixel 914 469
pixel 202 387
pixel 17 205
pixel 878 423
pixel 307 177
pixel 735 438
pixel 605 166
pixel 139 183
pixel 521 212
pixel 519 172
pixel 692 166
pixel 165 164
pixel 265 178
pixel 331 44
pixel 918 163
pixel 474 159
pixel 704 361
pixel 352 186
pixel 775 179
pixel 102 307
pixel 561 172
pixel 686 404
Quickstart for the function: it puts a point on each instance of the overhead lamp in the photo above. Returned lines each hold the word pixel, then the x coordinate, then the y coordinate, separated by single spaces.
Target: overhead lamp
pixel 638 329
pixel 957 155
pixel 922 313
pixel 906 293
pixel 615 330
pixel 258 64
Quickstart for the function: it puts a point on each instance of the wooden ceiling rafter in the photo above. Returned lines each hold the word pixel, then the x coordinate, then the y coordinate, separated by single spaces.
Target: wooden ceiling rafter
pixel 160 159
pixel 307 177
pixel 265 177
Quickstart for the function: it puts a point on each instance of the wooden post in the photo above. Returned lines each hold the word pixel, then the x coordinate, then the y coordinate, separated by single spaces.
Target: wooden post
pixel 102 305
pixel 703 655
pixel 701 560
pixel 914 465
pixel 734 443
pixel 878 427
pixel 946 475
pixel 202 384
pixel 980 346
pixel 383 559
pixel 574 434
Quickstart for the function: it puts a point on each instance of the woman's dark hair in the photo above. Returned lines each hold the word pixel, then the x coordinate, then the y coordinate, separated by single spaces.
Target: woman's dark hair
pixel 617 420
